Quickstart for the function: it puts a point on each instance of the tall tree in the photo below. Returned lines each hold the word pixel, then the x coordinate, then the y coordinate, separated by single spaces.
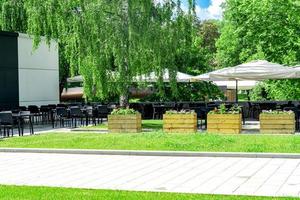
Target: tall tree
pixel 111 42
pixel 265 29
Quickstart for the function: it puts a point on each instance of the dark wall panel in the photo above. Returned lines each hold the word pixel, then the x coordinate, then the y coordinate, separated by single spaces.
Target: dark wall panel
pixel 9 81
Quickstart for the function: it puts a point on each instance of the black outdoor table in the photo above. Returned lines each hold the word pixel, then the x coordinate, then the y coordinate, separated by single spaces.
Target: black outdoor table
pixel 21 118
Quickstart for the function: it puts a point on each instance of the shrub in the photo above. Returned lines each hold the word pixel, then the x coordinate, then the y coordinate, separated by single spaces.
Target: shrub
pixel 123 111
pixel 235 109
pixel 170 112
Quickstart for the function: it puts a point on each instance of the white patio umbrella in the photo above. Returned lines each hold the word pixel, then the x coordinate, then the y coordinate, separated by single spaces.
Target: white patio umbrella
pixel 243 85
pixel 256 70
pixel 152 77
pixel 180 77
pixel 75 79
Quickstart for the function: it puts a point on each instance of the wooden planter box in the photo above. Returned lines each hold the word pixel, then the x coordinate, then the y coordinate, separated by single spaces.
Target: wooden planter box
pixel 277 123
pixel 224 123
pixel 186 123
pixel 125 123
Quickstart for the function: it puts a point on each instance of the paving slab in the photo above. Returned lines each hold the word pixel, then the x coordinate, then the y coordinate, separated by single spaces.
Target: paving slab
pixel 208 175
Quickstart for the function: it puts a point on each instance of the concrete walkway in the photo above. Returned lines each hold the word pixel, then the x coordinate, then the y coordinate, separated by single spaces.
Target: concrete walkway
pixel 239 176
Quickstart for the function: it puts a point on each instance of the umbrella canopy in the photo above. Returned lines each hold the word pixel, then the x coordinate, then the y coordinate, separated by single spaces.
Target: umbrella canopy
pixel 180 77
pixel 152 77
pixel 75 79
pixel 243 85
pixel 255 70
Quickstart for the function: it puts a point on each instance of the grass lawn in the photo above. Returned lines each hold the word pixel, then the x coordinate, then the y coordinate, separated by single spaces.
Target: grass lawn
pixel 159 141
pixel 47 193
pixel 147 124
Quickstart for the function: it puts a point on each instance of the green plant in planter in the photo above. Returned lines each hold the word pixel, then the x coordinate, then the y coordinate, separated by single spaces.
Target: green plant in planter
pixel 235 109
pixel 123 111
pixel 275 112
pixel 170 112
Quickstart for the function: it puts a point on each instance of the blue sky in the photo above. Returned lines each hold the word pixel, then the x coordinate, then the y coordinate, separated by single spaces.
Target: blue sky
pixel 205 9
pixel 204 3
pixel 209 9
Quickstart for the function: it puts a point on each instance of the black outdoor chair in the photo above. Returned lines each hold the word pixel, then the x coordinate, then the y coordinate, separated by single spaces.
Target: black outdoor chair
pixel 76 114
pixel 158 110
pixel 95 115
pixel 62 105
pixel 45 112
pixel 35 111
pixel 22 108
pixel 185 106
pixel 25 117
pixel 62 116
pixel 102 112
pixel 88 111
pixel 8 123
pixel 52 106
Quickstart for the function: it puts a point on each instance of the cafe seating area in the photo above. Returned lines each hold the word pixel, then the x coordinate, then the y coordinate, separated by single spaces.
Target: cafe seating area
pixel 73 115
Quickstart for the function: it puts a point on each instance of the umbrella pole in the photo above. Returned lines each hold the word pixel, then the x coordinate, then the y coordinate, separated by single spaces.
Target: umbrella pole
pixel 236 91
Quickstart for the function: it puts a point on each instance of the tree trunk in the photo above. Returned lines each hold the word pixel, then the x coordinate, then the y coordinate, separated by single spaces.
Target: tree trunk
pixel 124 100
pixel 124 97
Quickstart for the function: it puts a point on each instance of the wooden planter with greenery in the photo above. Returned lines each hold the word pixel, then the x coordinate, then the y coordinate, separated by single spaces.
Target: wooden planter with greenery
pixel 277 122
pixel 124 121
pixel 225 121
pixel 180 122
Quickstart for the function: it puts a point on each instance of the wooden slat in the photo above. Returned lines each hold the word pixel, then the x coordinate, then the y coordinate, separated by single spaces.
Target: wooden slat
pixel 272 131
pixel 224 123
pixel 226 131
pixel 226 126
pixel 277 123
pixel 181 130
pixel 180 123
pixel 224 116
pixel 277 116
pixel 124 123
pixel 277 126
pixel 216 121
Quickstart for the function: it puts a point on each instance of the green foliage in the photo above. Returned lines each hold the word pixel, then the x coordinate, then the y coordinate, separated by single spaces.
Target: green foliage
pixel 123 111
pixel 200 56
pixel 13 16
pixel 109 43
pixel 235 109
pixel 283 89
pixel 265 29
pixel 259 93
pixel 194 91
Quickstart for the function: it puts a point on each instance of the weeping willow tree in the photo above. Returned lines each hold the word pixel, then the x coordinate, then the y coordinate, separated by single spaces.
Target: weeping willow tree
pixel 109 42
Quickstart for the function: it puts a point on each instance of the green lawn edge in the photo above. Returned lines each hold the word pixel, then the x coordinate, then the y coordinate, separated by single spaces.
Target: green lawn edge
pixel 158 141
pixel 55 193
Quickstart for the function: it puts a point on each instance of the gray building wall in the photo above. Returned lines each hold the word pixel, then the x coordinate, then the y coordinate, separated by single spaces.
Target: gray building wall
pixel 27 76
pixel 38 72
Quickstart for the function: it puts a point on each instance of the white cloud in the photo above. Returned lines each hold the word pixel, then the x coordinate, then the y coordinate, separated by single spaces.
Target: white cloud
pixel 214 11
